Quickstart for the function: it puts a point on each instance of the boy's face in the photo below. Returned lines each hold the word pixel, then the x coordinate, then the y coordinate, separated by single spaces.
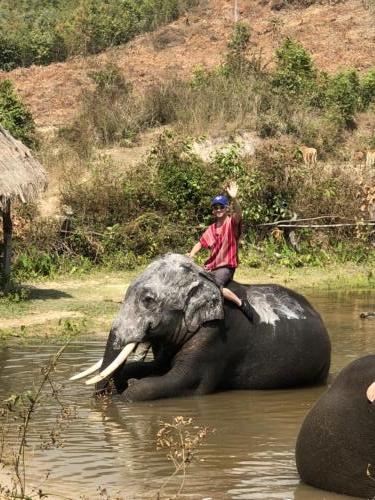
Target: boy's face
pixel 219 211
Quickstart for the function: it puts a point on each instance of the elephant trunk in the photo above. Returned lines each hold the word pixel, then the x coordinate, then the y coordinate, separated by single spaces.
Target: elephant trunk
pixel 121 342
pixel 116 363
pixel 112 350
pixel 110 354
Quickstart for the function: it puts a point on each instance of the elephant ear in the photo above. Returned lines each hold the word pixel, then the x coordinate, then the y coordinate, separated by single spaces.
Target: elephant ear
pixel 204 303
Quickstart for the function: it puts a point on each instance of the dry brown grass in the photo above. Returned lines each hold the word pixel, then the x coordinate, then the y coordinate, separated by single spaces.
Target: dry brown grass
pixel 53 92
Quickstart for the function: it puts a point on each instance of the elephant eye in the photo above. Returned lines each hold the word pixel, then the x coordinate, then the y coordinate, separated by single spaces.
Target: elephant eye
pixel 148 300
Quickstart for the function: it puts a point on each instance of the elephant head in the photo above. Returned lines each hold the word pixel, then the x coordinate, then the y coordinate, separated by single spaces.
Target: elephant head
pixel 171 299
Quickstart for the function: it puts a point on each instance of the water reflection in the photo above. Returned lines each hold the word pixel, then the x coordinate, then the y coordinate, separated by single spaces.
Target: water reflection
pixel 250 456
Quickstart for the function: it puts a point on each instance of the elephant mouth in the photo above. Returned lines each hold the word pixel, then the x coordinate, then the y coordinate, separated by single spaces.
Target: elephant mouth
pixel 118 361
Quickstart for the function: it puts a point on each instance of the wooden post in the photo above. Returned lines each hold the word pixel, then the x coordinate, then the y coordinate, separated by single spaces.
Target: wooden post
pixel 7 247
pixel 235 11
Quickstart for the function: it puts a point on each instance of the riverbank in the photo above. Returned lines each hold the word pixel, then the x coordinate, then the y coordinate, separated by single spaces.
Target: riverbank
pixel 87 305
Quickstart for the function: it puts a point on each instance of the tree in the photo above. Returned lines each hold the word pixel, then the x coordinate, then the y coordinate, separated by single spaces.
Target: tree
pixel 14 116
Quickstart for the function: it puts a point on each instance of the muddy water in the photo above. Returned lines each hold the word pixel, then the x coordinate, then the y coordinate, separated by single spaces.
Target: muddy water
pixel 250 456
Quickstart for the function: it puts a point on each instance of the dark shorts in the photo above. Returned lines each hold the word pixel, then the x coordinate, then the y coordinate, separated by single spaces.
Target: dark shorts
pixel 223 275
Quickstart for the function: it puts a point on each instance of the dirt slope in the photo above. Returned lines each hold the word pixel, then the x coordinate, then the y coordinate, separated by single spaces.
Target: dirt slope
pixel 338 36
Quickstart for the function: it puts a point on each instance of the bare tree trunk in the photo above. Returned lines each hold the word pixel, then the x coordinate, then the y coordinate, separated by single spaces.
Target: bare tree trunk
pixel 7 248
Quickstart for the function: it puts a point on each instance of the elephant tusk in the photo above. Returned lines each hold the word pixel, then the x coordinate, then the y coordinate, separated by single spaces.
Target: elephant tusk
pixel 371 393
pixel 89 371
pixel 121 358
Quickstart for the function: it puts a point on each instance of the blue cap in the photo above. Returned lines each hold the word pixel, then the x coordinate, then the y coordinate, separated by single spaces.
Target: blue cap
pixel 220 200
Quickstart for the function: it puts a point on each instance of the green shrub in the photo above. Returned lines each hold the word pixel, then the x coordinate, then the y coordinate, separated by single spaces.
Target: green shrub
pixel 240 38
pixel 14 115
pixel 122 260
pixel 295 72
pixel 35 264
pixel 41 31
pixel 320 129
pixel 28 35
pixel 109 113
pixel 100 200
pixel 343 94
pixel 330 191
pixel 183 183
pixel 236 61
pixel 95 25
pixel 271 184
pixel 10 56
pixel 368 88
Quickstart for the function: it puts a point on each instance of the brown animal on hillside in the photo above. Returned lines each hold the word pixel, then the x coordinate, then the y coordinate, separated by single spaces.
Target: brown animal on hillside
pixel 308 154
pixel 358 156
pixel 370 158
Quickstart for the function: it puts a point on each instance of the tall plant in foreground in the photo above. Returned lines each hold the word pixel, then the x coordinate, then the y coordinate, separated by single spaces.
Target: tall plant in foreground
pixel 18 410
pixel 181 439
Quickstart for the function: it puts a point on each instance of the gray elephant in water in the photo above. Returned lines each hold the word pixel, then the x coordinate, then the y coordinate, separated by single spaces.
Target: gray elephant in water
pixel 201 344
pixel 336 445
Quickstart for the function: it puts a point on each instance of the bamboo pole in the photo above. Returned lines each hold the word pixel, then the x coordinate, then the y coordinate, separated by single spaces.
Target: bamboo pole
pixel 357 224
pixel 278 222
pixel 7 246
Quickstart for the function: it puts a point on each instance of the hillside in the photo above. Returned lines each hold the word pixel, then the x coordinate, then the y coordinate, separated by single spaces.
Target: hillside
pixel 337 35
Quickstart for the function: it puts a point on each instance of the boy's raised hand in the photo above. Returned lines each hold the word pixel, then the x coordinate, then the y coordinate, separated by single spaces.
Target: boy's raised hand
pixel 232 189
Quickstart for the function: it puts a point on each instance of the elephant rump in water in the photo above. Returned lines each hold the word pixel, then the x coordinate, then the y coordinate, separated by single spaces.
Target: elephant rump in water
pixel 336 445
pixel 201 344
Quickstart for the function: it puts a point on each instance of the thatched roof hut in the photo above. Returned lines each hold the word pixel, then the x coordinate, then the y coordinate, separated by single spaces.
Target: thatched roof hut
pixel 22 178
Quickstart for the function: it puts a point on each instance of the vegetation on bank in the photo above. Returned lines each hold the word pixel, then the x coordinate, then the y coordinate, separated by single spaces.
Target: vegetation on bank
pixel 90 301
pixel 123 219
pixel 294 99
pixel 43 31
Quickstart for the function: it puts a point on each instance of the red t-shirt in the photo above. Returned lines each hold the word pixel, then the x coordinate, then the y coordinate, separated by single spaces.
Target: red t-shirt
pixel 223 244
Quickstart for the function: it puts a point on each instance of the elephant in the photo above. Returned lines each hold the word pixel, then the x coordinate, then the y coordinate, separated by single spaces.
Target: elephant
pixel 335 447
pixel 201 344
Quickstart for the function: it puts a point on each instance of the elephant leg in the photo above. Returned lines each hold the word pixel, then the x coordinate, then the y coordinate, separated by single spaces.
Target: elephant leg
pixel 134 370
pixel 175 383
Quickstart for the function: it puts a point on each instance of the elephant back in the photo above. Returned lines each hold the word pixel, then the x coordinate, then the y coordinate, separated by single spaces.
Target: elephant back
pixel 286 345
pixel 336 445
pixel 275 303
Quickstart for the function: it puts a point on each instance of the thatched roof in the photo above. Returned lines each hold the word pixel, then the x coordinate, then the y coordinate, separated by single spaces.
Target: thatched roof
pixel 21 175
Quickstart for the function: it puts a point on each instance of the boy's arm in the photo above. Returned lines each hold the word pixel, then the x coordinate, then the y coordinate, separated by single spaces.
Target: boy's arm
pixel 195 250
pixel 232 190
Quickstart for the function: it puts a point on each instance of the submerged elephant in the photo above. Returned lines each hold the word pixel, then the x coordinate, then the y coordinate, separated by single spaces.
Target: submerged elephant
pixel 202 345
pixel 336 445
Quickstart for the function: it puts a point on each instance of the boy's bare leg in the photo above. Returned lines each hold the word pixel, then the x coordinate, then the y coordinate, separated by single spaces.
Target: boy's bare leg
pixel 371 393
pixel 242 304
pixel 229 295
